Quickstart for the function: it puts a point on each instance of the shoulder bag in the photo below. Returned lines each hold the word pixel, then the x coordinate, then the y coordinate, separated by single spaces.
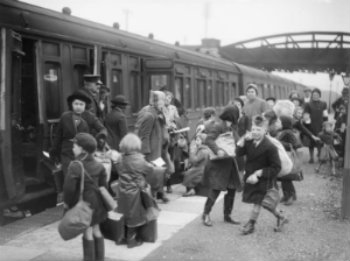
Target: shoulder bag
pixel 77 219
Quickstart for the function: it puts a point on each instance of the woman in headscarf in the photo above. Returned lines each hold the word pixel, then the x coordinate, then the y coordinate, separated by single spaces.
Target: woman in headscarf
pixel 151 128
pixel 221 173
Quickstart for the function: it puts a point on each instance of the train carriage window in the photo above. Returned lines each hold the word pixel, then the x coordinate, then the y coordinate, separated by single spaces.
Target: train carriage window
pixel 52 85
pixel 187 94
pixel 234 91
pixel 209 95
pixel 159 81
pixel 116 82
pixel 200 93
pixel 178 89
pixel 227 94
pixel 135 92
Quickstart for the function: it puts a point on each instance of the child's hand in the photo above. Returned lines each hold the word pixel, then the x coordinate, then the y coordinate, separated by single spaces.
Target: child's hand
pixel 252 179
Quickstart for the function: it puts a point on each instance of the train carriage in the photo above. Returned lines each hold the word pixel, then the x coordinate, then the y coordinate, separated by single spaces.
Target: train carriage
pixel 44 55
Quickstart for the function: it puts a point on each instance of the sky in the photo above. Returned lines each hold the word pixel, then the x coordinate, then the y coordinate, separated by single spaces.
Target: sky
pixel 188 21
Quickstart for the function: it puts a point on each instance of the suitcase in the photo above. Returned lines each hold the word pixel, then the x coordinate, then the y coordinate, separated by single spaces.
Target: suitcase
pixel 149 231
pixel 113 228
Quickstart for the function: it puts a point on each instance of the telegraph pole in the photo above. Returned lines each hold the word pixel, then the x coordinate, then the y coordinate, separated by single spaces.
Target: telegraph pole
pixel 345 206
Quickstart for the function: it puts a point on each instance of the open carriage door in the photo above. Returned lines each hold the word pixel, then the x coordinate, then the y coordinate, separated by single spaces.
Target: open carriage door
pixel 10 128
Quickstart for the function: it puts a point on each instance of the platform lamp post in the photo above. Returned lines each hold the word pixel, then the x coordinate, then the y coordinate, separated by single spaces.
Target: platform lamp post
pixel 331 77
pixel 345 204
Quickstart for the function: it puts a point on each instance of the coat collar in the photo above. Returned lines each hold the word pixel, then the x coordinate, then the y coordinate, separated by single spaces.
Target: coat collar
pixel 257 151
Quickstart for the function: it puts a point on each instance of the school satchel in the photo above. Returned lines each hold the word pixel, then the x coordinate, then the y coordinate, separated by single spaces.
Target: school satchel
pixel 77 219
pixel 271 199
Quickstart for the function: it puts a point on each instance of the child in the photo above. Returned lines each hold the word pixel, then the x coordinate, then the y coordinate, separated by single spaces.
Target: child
pixel 328 153
pixel 132 169
pixel 84 145
pixel 261 169
pixel 199 155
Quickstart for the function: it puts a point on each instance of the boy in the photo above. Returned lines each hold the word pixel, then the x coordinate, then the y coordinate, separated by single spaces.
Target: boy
pixel 261 169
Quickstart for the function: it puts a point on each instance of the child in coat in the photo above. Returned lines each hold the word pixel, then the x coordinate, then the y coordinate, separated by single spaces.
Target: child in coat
pixel 327 153
pixel 199 156
pixel 261 169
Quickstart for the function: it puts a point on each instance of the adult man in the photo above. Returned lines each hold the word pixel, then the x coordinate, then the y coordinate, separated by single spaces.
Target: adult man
pixel 116 121
pixel 92 84
pixel 318 114
pixel 254 105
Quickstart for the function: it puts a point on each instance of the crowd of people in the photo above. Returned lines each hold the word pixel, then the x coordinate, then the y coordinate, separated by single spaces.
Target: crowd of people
pixel 230 151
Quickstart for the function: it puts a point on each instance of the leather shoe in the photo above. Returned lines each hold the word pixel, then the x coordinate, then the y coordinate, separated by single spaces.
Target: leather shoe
pixel 206 220
pixel 289 201
pixel 248 228
pixel 280 222
pixel 228 219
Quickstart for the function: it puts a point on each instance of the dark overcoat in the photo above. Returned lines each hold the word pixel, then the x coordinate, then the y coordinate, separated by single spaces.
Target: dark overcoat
pixel 219 174
pixel 316 108
pixel 91 192
pixel 67 129
pixel 116 126
pixel 133 169
pixel 264 157
pixel 93 107
pixel 150 127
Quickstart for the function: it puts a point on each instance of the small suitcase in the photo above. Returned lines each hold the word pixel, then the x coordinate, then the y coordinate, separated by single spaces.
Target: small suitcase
pixel 149 231
pixel 113 228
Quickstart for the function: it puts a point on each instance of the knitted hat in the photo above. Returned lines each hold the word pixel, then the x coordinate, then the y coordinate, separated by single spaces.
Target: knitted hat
pixel 119 100
pixel 252 86
pixel 86 141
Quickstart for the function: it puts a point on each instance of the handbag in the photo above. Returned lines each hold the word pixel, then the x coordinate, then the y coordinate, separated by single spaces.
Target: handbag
pixel 77 219
pixel 271 199
pixel 113 228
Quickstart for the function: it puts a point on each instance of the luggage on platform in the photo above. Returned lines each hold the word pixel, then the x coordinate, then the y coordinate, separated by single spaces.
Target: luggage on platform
pixel 149 231
pixel 113 228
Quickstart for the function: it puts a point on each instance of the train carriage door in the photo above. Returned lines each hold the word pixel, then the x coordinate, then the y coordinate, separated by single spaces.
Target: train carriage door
pixel 159 75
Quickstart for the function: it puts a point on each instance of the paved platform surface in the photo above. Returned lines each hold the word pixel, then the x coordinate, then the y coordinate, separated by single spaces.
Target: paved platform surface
pixel 36 238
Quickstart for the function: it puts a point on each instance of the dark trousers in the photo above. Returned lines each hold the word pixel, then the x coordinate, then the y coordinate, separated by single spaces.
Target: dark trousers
pixel 288 189
pixel 229 199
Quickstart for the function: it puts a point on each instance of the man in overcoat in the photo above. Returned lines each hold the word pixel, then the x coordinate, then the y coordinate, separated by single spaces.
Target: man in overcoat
pixel 115 122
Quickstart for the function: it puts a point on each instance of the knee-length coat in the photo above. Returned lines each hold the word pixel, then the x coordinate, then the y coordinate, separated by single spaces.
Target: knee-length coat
pixel 133 170
pixel 67 129
pixel 219 174
pixel 264 156
pixel 91 192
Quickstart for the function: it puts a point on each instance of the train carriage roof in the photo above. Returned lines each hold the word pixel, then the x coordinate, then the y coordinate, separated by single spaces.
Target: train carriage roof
pixel 34 20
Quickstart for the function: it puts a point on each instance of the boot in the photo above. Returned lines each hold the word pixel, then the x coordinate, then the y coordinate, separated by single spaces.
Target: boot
pixel 249 227
pixel 131 237
pixel 99 249
pixel 228 206
pixel 88 250
pixel 206 220
pixel 289 201
pixel 281 220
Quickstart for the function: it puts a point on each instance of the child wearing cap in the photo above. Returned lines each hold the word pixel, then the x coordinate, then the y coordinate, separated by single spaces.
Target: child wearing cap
pixel 84 145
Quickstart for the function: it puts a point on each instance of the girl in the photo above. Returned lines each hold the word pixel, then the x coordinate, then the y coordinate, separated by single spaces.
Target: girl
pixel 132 170
pixel 199 155
pixel 327 152
pixel 84 145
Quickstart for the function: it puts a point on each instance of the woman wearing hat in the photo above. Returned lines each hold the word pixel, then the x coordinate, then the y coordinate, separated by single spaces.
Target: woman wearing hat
pixel 83 147
pixel 115 122
pixel 221 174
pixel 74 121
